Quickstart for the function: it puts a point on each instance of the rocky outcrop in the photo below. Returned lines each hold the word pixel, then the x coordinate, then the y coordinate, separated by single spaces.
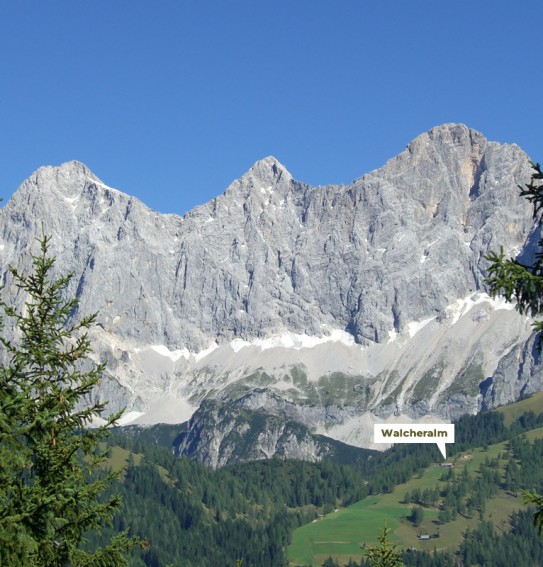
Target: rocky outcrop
pixel 223 434
pixel 519 374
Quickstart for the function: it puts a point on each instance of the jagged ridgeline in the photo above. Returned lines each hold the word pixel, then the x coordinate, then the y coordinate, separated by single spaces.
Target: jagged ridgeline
pixel 329 307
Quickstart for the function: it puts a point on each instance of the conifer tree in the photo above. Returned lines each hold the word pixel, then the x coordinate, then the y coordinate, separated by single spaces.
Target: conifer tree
pixel 537 501
pixel 51 480
pixel 523 283
pixel 384 554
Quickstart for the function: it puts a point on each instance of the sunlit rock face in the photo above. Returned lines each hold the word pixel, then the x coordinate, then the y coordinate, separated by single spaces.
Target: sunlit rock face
pixel 333 306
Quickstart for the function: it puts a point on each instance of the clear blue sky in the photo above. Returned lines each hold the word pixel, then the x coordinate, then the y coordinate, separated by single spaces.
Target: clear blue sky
pixel 172 100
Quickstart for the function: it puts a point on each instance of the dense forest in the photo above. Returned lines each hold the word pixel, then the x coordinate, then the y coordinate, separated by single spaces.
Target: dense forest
pixel 191 516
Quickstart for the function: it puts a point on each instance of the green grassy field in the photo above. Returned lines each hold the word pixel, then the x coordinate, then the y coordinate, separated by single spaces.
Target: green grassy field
pixel 118 458
pixel 343 533
pixel 513 411
pixel 534 434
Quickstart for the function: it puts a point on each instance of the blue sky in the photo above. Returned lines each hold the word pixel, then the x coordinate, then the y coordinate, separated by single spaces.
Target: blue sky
pixel 172 100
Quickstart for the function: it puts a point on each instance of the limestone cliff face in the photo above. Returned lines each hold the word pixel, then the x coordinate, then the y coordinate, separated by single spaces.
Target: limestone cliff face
pixel 518 374
pixel 220 434
pixel 272 254
pixel 326 304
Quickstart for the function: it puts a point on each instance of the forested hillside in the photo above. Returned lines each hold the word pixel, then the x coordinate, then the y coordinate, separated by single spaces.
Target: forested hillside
pixel 471 515
pixel 193 516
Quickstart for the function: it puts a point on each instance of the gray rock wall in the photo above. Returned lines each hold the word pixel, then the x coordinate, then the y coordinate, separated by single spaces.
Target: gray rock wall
pixel 376 259
pixel 272 254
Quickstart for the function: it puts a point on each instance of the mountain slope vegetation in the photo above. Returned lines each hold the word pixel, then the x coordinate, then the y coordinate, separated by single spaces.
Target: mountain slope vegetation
pixel 195 516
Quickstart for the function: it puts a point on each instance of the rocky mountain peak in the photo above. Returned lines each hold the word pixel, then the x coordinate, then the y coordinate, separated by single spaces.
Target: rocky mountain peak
pixel 454 147
pixel 206 305
pixel 450 138
pixel 269 169
pixel 455 133
pixel 265 177
pixel 66 176
pixel 71 186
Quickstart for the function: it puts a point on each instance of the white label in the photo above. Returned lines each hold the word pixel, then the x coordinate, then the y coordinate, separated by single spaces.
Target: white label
pixel 438 433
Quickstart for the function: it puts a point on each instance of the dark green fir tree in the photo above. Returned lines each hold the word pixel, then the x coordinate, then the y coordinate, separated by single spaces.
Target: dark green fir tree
pixel 51 479
pixel 384 554
pixel 519 282
pixel 523 283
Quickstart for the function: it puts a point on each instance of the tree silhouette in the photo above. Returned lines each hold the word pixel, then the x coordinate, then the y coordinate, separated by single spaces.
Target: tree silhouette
pixel 51 482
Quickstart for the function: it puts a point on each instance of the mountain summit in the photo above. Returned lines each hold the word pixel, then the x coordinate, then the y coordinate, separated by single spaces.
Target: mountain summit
pixel 333 306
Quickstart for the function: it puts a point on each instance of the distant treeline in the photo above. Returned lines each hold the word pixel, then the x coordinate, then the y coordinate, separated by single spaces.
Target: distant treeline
pixel 194 516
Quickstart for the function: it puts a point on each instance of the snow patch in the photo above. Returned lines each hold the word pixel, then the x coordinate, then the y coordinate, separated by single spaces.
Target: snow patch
pixel 172 355
pixel 175 355
pixel 455 311
pixel 392 336
pixel 501 303
pixel 129 417
pixel 103 185
pixel 461 306
pixel 415 326
pixel 203 353
pixel 293 341
pixel 238 344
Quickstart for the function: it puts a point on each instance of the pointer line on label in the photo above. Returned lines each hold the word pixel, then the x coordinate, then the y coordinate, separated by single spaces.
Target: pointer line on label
pixel 438 433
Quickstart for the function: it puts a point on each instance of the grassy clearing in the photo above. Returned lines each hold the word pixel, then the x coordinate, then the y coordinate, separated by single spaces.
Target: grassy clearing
pixel 513 411
pixel 534 434
pixel 343 533
pixel 118 458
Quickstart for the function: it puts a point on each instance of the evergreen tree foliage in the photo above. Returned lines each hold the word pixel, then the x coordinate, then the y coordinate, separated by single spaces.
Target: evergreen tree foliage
pixel 50 486
pixel 524 284
pixel 384 554
pixel 417 515
pixel 519 282
pixel 537 500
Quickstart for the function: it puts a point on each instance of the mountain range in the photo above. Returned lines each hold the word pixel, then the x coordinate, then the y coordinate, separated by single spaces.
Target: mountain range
pixel 329 308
